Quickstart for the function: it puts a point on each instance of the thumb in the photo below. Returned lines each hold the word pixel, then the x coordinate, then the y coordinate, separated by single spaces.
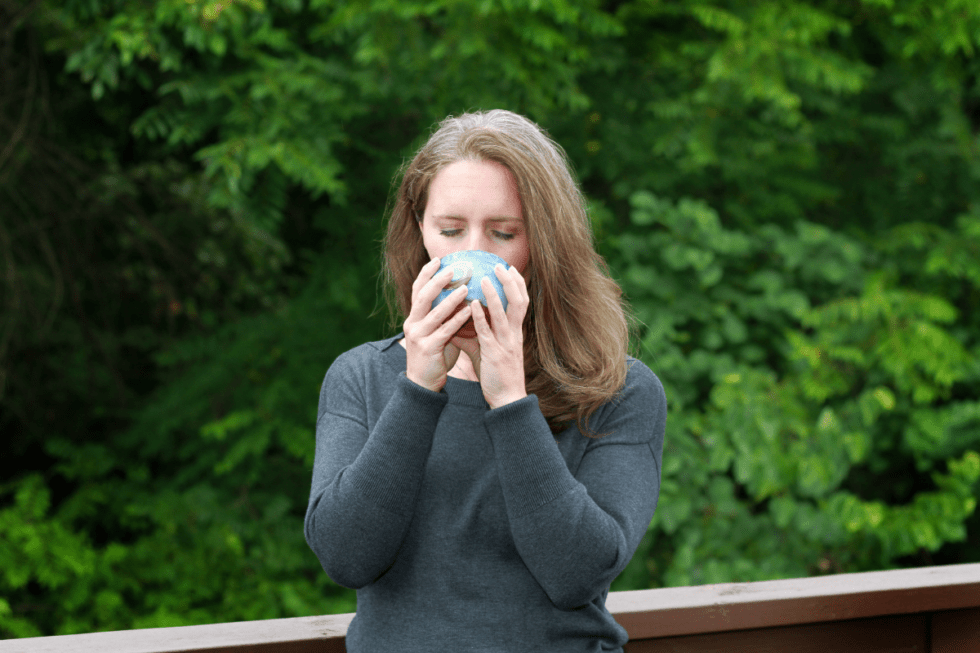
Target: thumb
pixel 471 347
pixel 451 352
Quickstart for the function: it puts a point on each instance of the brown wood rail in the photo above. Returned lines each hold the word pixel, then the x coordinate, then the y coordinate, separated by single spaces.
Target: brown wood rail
pixel 924 610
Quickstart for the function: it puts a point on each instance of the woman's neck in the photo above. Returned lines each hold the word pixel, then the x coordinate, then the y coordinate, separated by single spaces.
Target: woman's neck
pixel 463 369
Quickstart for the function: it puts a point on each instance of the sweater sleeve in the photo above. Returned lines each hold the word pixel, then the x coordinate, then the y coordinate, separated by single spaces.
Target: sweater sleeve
pixel 366 482
pixel 577 533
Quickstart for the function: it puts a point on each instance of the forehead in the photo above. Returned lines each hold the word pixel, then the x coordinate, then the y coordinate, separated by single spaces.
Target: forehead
pixel 474 188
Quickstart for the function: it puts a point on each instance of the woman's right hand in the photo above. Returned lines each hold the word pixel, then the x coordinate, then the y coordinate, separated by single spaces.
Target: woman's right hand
pixel 428 331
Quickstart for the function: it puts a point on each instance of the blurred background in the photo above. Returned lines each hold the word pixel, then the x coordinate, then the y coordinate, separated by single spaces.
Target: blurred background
pixel 192 197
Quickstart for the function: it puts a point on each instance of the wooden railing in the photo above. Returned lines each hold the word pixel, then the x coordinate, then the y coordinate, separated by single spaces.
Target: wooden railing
pixel 932 609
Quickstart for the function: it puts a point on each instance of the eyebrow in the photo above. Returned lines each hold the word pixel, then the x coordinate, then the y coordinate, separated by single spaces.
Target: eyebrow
pixel 450 216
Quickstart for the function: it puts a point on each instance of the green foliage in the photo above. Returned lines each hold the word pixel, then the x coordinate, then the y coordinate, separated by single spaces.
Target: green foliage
pixel 787 191
pixel 795 459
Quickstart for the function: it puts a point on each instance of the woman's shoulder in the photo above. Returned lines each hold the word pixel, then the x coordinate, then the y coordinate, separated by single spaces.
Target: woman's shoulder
pixel 371 359
pixel 369 353
pixel 640 379
pixel 360 372
pixel 638 412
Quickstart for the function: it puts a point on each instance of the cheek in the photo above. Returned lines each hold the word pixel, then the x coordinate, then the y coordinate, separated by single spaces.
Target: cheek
pixel 431 243
pixel 520 255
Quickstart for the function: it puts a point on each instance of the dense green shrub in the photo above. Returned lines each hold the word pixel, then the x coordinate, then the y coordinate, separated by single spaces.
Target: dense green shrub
pixel 190 220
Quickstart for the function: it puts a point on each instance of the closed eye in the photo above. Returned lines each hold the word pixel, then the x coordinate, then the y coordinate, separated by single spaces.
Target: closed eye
pixel 502 236
pixel 449 232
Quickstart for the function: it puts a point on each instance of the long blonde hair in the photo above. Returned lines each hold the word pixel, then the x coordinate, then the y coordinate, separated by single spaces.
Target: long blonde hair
pixel 576 333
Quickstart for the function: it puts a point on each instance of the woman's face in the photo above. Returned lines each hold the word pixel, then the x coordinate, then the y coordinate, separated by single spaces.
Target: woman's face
pixel 475 205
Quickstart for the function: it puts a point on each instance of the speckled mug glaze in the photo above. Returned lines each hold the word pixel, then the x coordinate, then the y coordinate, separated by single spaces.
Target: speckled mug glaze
pixel 477 264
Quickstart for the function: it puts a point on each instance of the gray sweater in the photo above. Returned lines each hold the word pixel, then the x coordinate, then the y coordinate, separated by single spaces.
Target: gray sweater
pixel 469 529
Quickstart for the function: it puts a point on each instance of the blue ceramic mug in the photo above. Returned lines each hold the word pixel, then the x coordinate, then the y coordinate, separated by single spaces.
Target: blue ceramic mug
pixel 470 267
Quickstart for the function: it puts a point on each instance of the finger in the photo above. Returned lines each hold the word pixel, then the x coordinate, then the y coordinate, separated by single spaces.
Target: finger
pixel 522 301
pixel 483 331
pixel 470 347
pixel 521 283
pixel 516 292
pixel 494 305
pixel 454 324
pixel 437 283
pixel 451 353
pixel 514 285
pixel 438 315
pixel 424 275
pixel 506 282
pixel 422 298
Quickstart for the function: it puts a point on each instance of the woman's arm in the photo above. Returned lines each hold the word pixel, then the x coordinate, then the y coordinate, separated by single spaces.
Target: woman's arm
pixel 577 533
pixel 365 485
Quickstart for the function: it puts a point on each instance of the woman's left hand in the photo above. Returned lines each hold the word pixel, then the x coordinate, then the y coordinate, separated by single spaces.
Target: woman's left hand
pixel 497 354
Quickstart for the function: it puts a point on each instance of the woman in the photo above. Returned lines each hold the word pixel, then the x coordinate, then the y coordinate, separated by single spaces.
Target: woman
pixel 481 482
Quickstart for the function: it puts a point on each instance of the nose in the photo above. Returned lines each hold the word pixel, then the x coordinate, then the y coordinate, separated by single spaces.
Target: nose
pixel 478 240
